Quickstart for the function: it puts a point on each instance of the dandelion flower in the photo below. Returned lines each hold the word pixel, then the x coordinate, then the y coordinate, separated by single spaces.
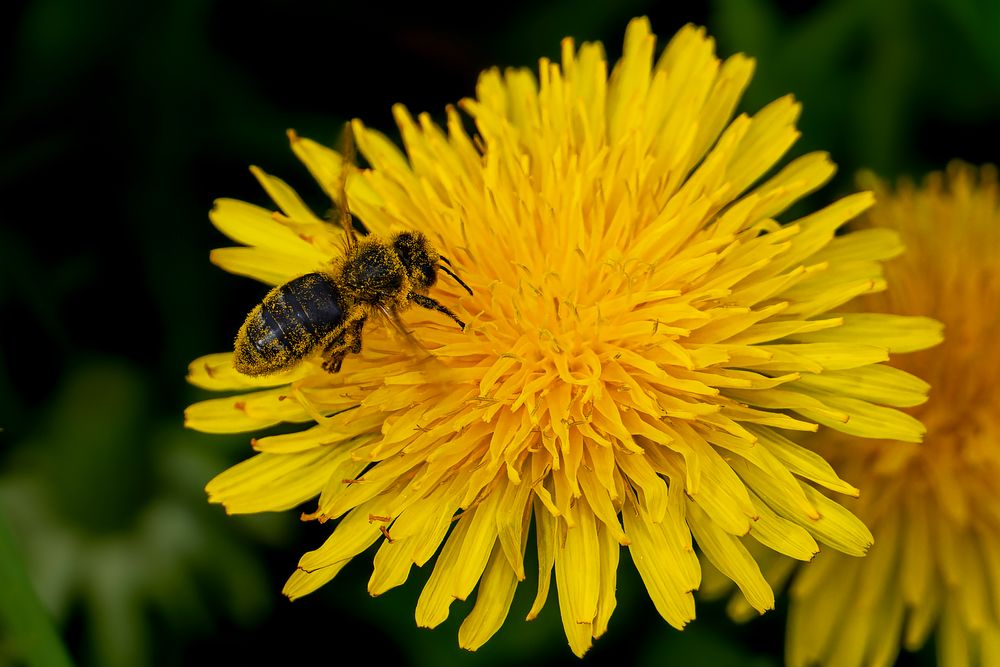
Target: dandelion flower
pixel 933 508
pixel 641 335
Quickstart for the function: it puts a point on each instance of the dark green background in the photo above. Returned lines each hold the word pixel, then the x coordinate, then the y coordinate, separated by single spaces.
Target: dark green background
pixel 122 121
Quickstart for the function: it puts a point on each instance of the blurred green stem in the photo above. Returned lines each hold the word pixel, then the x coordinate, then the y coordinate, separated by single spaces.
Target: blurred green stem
pixel 25 627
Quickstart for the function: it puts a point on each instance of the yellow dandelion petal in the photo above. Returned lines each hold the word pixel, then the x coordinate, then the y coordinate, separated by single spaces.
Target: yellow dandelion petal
pixel 216 372
pixel 255 226
pixel 247 412
pixel 476 547
pixel 493 598
pixel 610 552
pixel 669 569
pixel 545 538
pixel 272 482
pixel 271 267
pixel 436 598
pixel 803 462
pixel 285 197
pixel 897 333
pixel 323 163
pixel 639 332
pixel 729 555
pixel 782 535
pixel 578 570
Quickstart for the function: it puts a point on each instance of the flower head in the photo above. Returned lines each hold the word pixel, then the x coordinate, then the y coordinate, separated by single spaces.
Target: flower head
pixel 933 508
pixel 641 332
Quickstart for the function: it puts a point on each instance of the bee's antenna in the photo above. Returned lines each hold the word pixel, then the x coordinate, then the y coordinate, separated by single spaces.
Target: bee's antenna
pixel 452 274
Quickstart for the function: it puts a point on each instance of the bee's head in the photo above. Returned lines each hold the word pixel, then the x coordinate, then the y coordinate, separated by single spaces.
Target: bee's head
pixel 421 260
pixel 418 257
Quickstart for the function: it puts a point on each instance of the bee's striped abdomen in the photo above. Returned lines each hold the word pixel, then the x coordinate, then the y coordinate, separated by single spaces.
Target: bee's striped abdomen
pixel 292 321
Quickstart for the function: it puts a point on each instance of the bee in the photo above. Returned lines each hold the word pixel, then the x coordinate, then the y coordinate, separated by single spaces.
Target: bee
pixel 326 311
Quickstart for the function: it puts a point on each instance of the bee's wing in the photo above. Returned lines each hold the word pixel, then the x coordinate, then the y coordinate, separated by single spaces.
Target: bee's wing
pixel 425 361
pixel 348 155
pixel 392 317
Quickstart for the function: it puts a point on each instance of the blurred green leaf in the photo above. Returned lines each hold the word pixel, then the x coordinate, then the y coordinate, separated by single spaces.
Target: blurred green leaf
pixel 111 511
pixel 979 21
pixel 26 632
pixel 872 76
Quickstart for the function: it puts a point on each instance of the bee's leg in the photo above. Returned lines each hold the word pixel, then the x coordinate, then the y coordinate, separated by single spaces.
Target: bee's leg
pixel 334 352
pixel 355 335
pixel 431 304
pixel 348 339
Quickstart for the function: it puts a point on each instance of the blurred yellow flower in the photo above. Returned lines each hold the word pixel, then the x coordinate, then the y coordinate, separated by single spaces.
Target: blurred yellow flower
pixel 641 332
pixel 933 508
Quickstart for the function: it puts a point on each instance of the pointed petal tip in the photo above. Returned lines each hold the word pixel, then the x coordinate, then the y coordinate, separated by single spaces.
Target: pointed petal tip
pixel 580 651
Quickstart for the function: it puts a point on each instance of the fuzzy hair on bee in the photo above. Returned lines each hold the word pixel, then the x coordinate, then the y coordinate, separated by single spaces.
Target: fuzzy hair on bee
pixel 326 311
